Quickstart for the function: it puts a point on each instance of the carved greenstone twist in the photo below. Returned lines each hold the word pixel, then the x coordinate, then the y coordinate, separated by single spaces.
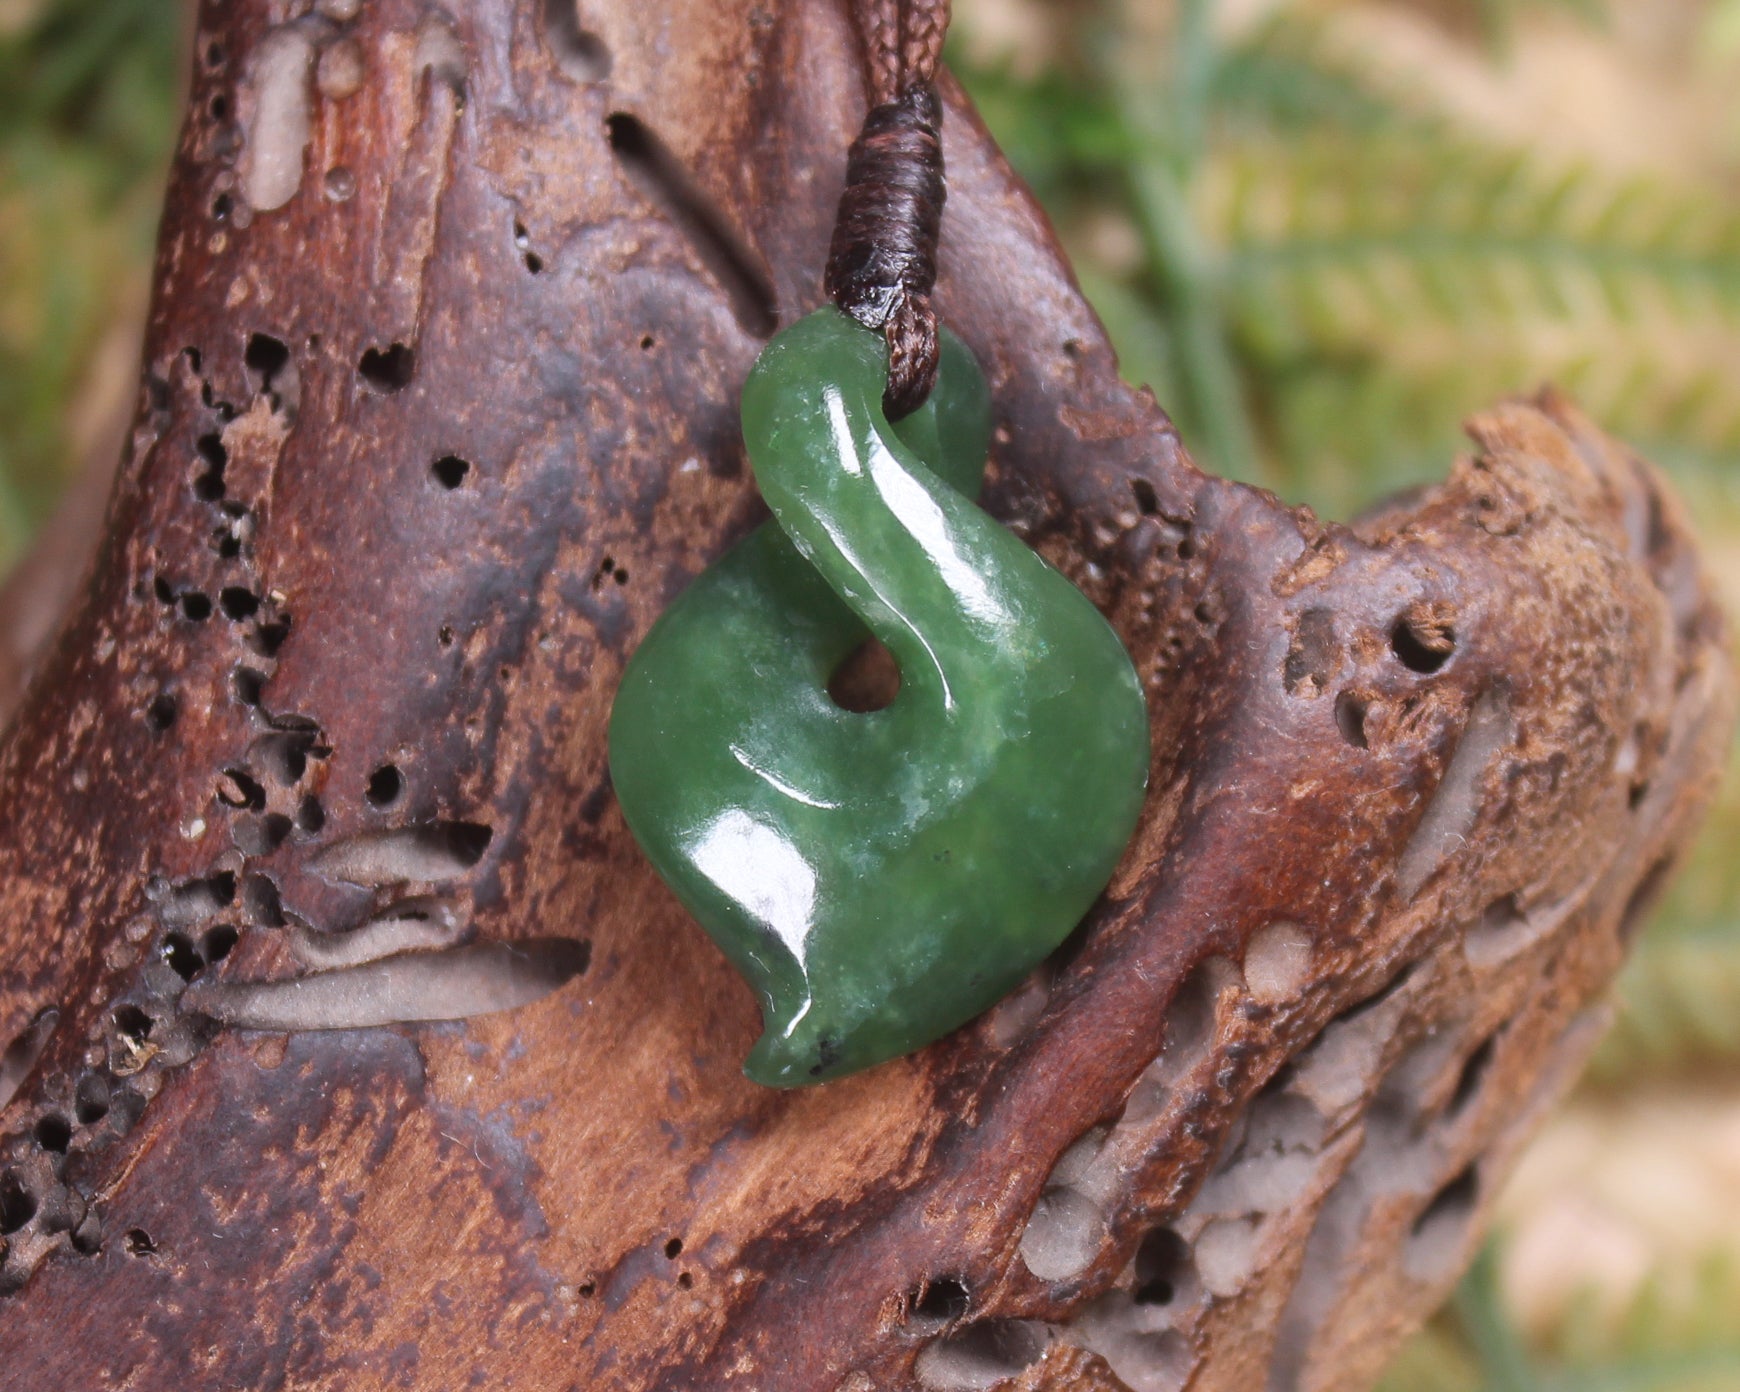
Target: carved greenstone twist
pixel 880 877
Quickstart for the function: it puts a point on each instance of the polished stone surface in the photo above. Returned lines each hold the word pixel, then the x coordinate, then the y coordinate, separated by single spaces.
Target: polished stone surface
pixel 879 877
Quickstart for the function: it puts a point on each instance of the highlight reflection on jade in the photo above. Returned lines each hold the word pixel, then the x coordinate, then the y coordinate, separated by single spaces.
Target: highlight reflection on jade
pixel 879 877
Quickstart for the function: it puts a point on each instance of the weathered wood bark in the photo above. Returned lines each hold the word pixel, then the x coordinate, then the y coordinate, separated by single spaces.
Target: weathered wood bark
pixel 438 412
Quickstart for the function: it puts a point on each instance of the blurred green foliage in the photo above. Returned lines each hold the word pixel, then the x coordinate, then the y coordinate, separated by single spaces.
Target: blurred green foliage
pixel 1320 275
pixel 88 103
pixel 1657 1345
pixel 1332 274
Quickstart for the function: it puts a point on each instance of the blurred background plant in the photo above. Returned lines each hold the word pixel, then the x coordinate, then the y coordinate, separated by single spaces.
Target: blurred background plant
pixel 89 98
pixel 1322 231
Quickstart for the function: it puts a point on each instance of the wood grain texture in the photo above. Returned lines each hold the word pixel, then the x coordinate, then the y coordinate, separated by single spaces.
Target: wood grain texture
pixel 1415 784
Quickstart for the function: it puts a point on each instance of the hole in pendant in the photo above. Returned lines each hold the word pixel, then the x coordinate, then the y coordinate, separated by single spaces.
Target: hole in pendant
pixel 867 680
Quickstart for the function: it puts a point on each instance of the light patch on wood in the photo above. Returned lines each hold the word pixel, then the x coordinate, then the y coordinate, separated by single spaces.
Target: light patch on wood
pixel 1277 962
pixel 275 106
pixel 452 985
pixel 1455 805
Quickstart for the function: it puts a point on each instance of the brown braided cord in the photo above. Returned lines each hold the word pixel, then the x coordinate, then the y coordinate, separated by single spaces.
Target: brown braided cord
pixel 879 23
pixel 903 41
pixel 882 261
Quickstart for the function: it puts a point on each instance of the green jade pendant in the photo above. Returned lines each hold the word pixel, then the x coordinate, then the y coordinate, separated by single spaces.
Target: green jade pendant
pixel 879 877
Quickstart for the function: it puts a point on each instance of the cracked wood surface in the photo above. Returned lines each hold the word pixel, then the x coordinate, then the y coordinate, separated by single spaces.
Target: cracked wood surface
pixel 438 411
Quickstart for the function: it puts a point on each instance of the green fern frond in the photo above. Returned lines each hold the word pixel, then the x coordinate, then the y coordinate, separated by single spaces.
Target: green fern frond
pixel 1286 77
pixel 1340 273
pixel 1058 128
pixel 1437 209
pixel 1381 287
pixel 1370 268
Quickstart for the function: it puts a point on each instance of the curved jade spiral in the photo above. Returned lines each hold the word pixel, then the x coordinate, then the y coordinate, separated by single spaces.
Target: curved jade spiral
pixel 879 877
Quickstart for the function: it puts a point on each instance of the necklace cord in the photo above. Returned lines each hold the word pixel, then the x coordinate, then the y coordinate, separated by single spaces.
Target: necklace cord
pixel 882 259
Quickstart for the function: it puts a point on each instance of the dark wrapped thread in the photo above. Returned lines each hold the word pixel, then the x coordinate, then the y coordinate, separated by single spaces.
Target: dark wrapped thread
pixel 882 262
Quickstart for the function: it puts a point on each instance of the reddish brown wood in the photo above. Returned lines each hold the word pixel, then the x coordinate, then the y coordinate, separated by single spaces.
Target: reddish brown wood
pixel 1415 784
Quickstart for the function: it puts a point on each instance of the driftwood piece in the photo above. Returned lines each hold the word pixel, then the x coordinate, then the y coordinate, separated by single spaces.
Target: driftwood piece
pixel 438 412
